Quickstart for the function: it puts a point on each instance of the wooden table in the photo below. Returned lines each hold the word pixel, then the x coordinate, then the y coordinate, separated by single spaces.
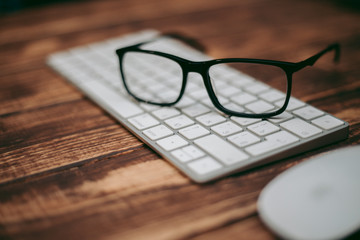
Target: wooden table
pixel 70 171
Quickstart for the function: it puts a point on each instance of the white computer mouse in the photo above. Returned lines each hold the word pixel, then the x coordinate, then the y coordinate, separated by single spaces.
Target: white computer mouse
pixel 317 199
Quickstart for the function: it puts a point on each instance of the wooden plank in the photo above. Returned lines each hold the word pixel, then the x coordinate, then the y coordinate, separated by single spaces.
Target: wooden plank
pixel 78 130
pixel 34 89
pixel 248 228
pixel 145 199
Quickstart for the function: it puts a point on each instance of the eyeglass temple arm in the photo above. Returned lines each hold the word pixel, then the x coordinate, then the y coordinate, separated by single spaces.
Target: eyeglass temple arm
pixel 311 60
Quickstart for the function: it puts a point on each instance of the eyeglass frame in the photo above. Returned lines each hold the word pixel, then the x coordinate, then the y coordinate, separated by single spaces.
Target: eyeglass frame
pixel 202 67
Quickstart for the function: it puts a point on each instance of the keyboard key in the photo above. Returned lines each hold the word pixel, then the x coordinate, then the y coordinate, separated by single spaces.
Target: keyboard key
pixel 158 132
pixel 308 112
pixel 259 106
pixel 199 94
pixel 220 149
pixel 211 118
pixel 193 151
pixel 281 117
pixel 239 79
pixel 245 121
pixel 243 98
pixel 172 142
pixel 293 104
pixel 181 155
pixel 204 165
pixel 327 122
pixel 208 102
pixel 143 121
pixel 244 139
pixel 226 128
pixel 256 88
pixel 263 128
pixel 195 110
pixel 149 107
pixel 188 153
pixel 300 128
pixel 190 87
pixel 196 79
pixel 219 84
pixel 234 107
pixel 167 93
pixel 194 131
pixel 164 113
pixel 228 91
pixel 272 95
pixel 272 142
pixel 179 122
pixel 184 102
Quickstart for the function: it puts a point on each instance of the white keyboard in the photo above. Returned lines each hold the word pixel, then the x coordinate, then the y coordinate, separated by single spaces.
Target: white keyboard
pixel 192 135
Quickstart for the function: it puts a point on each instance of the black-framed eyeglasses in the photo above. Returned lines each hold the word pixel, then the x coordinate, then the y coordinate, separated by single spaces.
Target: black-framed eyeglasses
pixel 241 87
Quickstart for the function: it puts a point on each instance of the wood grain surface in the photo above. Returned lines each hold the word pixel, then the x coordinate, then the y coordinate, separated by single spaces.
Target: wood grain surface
pixel 70 171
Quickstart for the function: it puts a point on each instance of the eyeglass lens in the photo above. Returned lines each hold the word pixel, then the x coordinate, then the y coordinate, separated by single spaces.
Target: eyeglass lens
pixel 249 87
pixel 152 78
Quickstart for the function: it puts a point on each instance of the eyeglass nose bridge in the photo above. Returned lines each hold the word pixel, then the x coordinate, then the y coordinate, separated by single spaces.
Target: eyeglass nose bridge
pixel 192 67
pixel 197 67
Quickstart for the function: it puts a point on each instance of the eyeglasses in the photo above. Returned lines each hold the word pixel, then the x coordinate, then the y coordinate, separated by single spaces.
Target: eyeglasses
pixel 241 87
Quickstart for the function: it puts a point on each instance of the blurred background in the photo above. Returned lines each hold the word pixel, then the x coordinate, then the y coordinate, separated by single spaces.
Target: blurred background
pixel 11 6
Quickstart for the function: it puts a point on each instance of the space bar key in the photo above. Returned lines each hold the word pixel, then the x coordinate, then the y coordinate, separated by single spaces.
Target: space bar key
pixel 111 100
pixel 221 150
